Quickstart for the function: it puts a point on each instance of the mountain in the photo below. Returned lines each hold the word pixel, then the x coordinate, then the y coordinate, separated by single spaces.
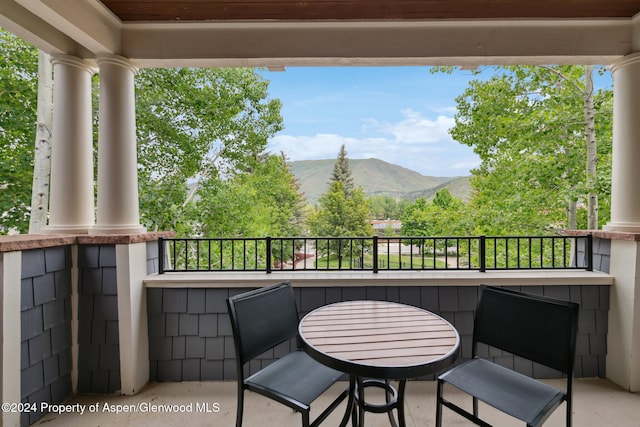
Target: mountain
pixel 376 177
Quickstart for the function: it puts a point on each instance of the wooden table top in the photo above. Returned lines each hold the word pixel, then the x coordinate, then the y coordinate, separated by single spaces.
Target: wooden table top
pixel 379 339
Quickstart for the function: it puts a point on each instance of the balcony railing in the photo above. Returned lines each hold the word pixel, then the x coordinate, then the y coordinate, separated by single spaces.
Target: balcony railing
pixel 479 253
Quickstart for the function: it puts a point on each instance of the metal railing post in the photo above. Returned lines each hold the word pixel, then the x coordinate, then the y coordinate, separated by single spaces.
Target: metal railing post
pixel 375 254
pixel 268 240
pixel 160 255
pixel 589 252
pixel 482 255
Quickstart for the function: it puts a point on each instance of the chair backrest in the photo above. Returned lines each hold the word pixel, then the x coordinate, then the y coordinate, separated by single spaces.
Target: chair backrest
pixel 537 328
pixel 262 319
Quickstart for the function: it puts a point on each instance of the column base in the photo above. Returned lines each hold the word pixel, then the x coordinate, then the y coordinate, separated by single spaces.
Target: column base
pixel 66 229
pixel 628 227
pixel 118 229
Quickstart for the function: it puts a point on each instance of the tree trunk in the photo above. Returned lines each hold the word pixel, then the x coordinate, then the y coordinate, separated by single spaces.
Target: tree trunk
pixel 572 218
pixel 42 155
pixel 592 153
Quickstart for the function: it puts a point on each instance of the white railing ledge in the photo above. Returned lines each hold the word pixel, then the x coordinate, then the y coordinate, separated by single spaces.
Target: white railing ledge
pixel 383 278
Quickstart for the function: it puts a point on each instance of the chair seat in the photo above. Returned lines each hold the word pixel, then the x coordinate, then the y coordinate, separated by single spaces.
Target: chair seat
pixel 511 392
pixel 294 377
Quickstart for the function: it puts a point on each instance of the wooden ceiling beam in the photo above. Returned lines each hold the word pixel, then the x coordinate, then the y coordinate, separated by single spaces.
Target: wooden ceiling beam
pixel 287 10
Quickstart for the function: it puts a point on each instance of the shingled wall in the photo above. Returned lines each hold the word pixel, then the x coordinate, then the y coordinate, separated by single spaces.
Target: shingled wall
pixel 190 337
pixel 98 339
pixel 45 328
pixel 98 347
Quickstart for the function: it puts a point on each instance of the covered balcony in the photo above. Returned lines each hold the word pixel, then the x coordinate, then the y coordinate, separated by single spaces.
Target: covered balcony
pixel 597 403
pixel 85 316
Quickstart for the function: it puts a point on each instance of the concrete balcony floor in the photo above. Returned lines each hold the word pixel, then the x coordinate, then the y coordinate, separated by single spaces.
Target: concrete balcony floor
pixel 597 403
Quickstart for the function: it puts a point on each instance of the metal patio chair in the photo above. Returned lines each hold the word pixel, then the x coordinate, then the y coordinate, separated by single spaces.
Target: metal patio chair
pixel 536 328
pixel 262 319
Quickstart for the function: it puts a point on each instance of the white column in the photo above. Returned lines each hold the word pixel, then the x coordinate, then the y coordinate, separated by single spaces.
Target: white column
pixel 625 176
pixel 131 261
pixel 117 160
pixel 71 205
pixel 10 273
pixel 623 338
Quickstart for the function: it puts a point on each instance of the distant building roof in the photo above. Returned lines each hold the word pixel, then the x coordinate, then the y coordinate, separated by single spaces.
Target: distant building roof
pixel 386 223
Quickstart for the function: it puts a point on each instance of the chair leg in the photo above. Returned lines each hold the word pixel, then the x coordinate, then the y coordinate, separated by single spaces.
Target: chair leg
pixel 475 407
pixel 439 404
pixel 305 419
pixel 239 412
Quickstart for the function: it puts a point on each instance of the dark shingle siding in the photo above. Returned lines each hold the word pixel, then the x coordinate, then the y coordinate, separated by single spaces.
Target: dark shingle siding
pixel 172 325
pixel 98 337
pixel 45 347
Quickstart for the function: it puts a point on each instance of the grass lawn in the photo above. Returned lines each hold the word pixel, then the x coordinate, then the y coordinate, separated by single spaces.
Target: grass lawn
pixel 391 262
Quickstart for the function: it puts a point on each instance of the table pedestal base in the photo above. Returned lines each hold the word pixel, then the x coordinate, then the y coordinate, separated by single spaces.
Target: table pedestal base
pixel 394 399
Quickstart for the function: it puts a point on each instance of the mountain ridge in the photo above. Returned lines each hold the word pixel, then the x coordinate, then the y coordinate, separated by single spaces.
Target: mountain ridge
pixel 376 176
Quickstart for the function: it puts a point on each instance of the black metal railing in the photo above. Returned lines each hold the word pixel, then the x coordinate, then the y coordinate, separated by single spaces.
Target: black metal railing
pixel 480 253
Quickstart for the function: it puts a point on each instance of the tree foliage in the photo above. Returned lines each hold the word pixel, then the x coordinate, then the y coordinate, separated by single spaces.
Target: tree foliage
pixel 341 212
pixel 527 125
pixel 263 201
pixel 386 207
pixel 204 126
pixel 194 126
pixel 342 172
pixel 18 102
pixel 443 216
pixel 339 215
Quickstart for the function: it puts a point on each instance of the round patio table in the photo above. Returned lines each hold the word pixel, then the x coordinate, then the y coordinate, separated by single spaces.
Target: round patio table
pixel 378 341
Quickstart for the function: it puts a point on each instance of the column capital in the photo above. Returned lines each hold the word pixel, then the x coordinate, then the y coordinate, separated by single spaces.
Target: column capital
pixel 117 60
pixel 626 61
pixel 73 61
pixel 625 205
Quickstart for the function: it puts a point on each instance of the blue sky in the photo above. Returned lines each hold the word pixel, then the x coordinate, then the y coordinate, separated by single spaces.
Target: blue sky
pixel 397 114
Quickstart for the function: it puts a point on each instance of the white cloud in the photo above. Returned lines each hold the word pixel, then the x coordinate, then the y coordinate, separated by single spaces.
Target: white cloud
pixel 415 129
pixel 415 142
pixel 319 146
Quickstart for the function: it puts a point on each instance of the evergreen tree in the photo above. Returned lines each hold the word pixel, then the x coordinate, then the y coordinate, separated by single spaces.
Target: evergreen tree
pixel 342 172
pixel 343 211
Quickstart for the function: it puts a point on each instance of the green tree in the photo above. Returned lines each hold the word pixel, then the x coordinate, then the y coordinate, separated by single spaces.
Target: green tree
pixel 203 126
pixel 339 215
pixel 385 207
pixel 342 172
pixel 445 215
pixel 18 96
pixel 262 201
pixel 528 126
pixel 341 212
pixel 443 199
pixel 416 222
